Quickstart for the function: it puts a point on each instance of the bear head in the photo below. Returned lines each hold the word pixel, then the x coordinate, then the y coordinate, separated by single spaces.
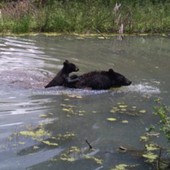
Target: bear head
pixel 69 67
pixel 118 80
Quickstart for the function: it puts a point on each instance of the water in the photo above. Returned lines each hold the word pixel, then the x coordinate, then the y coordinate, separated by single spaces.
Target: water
pixel 48 128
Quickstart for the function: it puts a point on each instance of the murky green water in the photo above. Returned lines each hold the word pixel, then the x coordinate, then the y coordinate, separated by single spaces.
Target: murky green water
pixel 48 128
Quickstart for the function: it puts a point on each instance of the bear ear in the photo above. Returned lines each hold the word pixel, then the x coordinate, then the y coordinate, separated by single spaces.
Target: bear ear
pixel 66 62
pixel 111 70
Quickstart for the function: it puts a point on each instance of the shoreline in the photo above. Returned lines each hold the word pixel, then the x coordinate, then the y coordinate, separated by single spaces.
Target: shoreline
pixel 81 35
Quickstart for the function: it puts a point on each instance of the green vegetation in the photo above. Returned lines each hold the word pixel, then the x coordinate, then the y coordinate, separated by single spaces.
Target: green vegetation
pixel 153 151
pixel 88 16
pixel 163 112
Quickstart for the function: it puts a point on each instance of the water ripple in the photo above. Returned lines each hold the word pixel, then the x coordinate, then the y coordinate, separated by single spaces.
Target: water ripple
pixel 20 53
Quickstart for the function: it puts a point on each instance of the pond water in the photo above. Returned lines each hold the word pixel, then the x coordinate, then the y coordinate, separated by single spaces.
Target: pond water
pixel 51 128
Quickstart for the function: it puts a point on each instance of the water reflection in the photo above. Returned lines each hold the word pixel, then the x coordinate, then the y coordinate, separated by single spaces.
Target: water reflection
pixel 19 53
pixel 48 128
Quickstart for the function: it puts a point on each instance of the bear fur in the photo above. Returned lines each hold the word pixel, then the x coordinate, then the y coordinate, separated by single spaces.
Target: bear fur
pixel 98 80
pixel 63 75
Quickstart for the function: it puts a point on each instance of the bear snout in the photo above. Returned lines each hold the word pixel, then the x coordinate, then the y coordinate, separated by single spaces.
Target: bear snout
pixel 76 69
pixel 128 82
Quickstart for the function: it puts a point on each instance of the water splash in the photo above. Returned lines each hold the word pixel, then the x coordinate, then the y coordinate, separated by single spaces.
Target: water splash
pixel 143 88
pixel 66 91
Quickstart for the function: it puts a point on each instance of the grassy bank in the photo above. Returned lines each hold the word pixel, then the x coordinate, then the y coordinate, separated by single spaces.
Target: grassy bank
pixel 85 16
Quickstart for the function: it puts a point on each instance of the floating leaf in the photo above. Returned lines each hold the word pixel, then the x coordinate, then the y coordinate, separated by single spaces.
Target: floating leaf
pixel 111 119
pixel 151 157
pixel 119 103
pixel 155 134
pixel 151 147
pixel 134 107
pixel 67 109
pixel 49 143
pixel 68 156
pixel 81 111
pixel 123 167
pixel 142 111
pixel 65 157
pixel 123 109
pixel 122 106
pixel 120 167
pixel 46 115
pixel 74 149
pixel 114 109
pixel 35 134
pixel 35 147
pixel 97 160
pixel 94 111
pixel 67 135
pixel 144 138
pixel 21 143
pixel 50 114
pixel 124 121
pixel 43 115
pixel 101 38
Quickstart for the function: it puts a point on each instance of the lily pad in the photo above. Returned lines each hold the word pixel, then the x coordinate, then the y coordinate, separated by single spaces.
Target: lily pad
pixel 21 143
pixel 144 138
pixel 43 116
pixel 65 157
pixel 114 109
pixel 125 121
pixel 124 167
pixel 151 157
pixel 70 154
pixel 49 143
pixel 151 147
pixel 97 160
pixel 120 167
pixel 67 109
pixel 122 106
pixel 111 119
pixel 134 107
pixel 142 111
pixel 35 134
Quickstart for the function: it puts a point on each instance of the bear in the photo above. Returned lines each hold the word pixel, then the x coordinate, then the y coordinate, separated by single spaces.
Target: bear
pixel 63 75
pixel 98 80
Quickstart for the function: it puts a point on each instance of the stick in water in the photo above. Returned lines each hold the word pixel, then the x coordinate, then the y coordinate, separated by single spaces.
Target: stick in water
pixel 90 147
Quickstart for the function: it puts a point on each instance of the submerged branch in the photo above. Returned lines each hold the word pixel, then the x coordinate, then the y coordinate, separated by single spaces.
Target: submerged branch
pixel 90 147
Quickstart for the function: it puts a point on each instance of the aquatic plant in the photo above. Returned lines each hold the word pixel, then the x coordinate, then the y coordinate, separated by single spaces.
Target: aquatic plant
pixel 163 112
pixel 153 151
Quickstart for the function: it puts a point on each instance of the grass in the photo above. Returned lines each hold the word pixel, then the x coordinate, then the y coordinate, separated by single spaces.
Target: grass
pixel 85 17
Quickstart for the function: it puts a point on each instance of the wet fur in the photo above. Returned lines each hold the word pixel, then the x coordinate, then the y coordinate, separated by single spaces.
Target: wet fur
pixel 98 80
pixel 63 75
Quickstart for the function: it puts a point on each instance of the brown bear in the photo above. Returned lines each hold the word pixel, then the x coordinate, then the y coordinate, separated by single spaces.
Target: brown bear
pixel 63 75
pixel 98 80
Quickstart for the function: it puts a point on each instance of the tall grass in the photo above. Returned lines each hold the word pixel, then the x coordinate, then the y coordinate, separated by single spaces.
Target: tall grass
pixel 88 16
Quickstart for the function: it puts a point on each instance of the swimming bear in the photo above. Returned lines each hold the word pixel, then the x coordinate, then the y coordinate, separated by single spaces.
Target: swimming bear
pixel 98 80
pixel 63 75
